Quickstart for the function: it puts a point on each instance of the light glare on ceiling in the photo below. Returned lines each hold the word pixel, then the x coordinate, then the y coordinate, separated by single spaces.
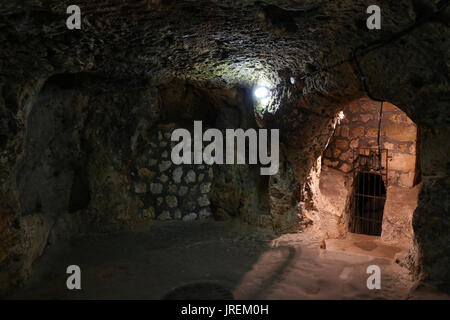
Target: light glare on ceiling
pixel 261 92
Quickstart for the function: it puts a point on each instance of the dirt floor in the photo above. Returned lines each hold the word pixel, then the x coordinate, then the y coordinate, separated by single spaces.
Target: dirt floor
pixel 207 259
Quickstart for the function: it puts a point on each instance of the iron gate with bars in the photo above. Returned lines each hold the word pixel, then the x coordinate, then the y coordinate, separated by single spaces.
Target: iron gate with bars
pixel 370 170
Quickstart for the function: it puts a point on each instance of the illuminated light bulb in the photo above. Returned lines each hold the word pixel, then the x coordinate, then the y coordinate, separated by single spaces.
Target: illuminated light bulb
pixel 261 92
pixel 341 116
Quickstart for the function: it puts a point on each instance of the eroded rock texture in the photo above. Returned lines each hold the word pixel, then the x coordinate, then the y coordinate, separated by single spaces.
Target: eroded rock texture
pixel 76 106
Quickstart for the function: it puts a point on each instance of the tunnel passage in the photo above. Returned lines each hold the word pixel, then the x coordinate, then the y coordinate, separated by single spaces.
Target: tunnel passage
pixel 370 173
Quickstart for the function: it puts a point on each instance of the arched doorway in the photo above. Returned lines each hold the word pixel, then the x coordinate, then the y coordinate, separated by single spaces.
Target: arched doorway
pixel 373 157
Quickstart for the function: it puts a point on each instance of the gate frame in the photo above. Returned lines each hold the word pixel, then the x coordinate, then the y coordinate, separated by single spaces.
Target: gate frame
pixel 367 155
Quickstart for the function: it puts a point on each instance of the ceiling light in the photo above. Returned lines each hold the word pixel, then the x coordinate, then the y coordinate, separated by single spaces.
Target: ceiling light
pixel 261 92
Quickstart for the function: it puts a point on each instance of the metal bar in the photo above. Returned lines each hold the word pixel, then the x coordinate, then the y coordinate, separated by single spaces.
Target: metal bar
pixel 374 214
pixel 363 203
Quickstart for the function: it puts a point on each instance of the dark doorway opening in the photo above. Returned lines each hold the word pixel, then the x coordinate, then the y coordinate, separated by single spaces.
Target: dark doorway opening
pixel 369 197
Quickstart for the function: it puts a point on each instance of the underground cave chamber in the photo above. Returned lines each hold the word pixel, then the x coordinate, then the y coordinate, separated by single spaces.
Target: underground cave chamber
pixel 86 118
pixel 107 167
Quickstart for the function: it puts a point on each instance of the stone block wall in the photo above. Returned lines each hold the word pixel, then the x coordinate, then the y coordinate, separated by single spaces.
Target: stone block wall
pixel 167 191
pixel 359 128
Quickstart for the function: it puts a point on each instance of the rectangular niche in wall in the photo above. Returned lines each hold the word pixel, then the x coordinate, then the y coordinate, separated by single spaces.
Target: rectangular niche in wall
pixel 369 193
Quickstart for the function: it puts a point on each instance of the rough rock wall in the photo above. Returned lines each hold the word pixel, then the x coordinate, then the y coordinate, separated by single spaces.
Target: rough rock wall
pixel 168 191
pixel 398 212
pixel 325 200
pixel 73 170
pixel 359 129
pixel 431 220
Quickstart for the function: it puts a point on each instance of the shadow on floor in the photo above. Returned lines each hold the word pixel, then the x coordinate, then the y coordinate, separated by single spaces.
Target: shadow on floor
pixel 161 259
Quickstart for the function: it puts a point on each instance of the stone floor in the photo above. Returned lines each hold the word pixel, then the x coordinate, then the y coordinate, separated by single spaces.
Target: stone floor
pixel 251 263
pixel 364 245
